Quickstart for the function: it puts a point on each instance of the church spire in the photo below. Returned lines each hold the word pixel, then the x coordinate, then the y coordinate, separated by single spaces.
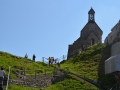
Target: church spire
pixel 91 16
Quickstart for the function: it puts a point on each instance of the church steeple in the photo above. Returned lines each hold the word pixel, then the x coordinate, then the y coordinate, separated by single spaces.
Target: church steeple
pixel 91 15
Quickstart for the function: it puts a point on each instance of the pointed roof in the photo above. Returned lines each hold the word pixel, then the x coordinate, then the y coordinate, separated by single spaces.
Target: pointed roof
pixel 90 33
pixel 91 11
pixel 91 22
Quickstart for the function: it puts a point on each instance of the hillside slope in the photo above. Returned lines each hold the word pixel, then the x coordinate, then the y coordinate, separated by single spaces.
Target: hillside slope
pixel 90 64
pixel 70 83
pixel 19 63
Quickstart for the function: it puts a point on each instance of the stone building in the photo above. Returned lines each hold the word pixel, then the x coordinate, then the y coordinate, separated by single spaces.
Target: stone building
pixel 90 34
pixel 114 35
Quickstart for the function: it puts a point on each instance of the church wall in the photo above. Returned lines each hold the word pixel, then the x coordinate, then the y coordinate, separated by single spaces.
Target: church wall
pixel 70 49
pixel 85 32
pixel 98 32
pixel 91 27
pixel 92 35
pixel 74 49
pixel 96 29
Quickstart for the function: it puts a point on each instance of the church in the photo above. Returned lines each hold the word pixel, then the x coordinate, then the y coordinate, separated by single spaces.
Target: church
pixel 89 35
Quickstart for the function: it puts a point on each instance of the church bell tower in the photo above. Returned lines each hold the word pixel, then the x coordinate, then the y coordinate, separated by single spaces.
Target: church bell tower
pixel 91 15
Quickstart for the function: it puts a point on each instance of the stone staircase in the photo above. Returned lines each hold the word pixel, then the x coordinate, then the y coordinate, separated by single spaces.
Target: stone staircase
pixel 32 82
pixel 39 81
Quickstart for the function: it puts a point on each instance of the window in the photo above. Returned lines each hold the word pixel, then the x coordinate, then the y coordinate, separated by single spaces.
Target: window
pixel 92 41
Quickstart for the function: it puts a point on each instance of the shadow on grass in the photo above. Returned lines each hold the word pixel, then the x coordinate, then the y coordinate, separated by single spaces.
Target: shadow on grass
pixel 105 80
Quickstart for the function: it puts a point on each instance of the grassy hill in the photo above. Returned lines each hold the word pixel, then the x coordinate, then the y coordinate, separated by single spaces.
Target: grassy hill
pixel 70 83
pixel 20 63
pixel 90 64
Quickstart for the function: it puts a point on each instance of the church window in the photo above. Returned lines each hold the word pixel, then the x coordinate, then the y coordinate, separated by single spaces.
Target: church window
pixel 92 41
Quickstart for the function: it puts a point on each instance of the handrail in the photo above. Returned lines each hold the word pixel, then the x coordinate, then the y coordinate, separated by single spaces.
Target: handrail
pixel 84 78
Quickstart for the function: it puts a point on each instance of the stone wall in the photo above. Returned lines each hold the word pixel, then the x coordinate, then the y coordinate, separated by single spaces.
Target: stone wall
pixel 39 81
pixel 115 49
pixel 112 64
pixel 114 35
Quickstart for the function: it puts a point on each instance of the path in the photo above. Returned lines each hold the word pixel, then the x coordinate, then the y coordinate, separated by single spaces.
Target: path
pixel 88 81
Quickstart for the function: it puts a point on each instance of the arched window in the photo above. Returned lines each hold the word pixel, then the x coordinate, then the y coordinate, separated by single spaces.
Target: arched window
pixel 92 41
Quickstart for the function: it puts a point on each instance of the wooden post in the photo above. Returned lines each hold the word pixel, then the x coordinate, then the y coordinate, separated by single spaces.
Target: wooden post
pixel 35 74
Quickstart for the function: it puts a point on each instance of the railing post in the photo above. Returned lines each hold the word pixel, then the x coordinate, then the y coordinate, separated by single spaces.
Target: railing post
pixel 35 74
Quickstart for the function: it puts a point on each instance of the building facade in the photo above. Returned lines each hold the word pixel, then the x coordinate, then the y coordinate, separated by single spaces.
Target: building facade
pixel 90 34
pixel 114 35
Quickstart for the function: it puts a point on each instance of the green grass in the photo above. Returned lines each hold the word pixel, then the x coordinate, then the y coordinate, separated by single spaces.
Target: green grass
pixel 71 83
pixel 19 63
pixel 85 64
pixel 16 87
pixel 90 64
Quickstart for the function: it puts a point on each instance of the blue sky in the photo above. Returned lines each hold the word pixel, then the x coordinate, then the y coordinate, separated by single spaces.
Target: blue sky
pixel 46 27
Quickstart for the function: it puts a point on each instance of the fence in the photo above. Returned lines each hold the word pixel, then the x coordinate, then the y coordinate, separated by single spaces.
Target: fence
pixel 37 78
pixel 63 57
pixel 34 73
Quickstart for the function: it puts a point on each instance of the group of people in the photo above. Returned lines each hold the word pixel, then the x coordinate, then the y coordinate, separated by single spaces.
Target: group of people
pixel 53 61
pixel 2 75
pixel 33 58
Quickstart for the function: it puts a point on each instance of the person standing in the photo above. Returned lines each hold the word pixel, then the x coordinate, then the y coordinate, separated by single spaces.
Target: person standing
pixel 2 74
pixel 49 61
pixel 52 60
pixel 26 56
pixel 34 57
